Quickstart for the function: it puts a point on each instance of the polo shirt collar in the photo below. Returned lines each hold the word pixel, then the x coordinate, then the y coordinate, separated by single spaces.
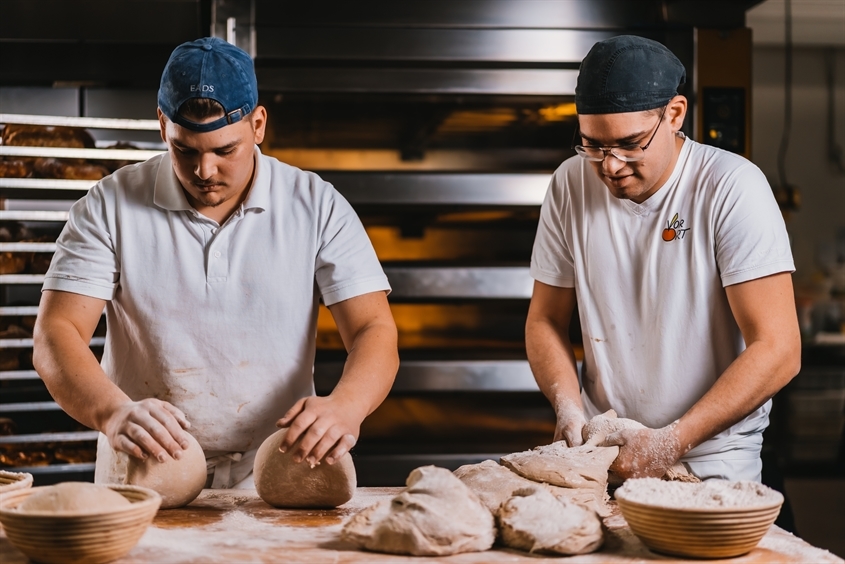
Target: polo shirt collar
pixel 259 194
pixel 168 192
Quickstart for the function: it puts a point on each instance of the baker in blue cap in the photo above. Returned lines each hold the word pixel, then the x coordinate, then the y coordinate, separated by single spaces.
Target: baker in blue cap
pixel 679 261
pixel 210 261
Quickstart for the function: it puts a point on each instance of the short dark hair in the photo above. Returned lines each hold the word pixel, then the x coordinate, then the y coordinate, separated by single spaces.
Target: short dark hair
pixel 200 109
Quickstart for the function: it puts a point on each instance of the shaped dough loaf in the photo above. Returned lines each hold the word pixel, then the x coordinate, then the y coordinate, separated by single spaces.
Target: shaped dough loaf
pixel 281 482
pixel 178 482
pixel 73 498
pixel 435 515
pixel 536 521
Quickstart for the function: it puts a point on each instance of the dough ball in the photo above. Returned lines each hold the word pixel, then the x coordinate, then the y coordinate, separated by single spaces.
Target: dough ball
pixel 536 521
pixel 178 482
pixel 73 498
pixel 435 515
pixel 281 482
pixel 568 467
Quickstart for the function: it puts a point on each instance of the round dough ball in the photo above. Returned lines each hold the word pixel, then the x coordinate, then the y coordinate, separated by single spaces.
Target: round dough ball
pixel 178 482
pixel 281 482
pixel 74 498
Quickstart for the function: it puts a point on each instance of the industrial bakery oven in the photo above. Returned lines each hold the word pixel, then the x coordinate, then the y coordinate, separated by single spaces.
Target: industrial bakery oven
pixel 441 123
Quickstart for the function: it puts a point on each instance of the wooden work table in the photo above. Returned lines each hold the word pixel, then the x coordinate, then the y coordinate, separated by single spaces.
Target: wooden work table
pixel 229 526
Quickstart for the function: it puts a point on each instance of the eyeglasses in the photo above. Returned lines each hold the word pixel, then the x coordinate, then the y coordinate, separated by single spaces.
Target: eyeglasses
pixel 625 153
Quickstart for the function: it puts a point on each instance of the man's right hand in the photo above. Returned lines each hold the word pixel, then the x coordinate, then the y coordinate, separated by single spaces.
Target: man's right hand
pixel 570 421
pixel 149 427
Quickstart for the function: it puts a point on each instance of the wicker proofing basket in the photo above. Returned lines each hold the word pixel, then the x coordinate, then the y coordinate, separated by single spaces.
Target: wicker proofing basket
pixel 11 481
pixel 704 533
pixel 77 538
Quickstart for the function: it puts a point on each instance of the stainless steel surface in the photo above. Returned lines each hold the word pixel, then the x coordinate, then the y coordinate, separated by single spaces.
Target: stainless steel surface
pixel 529 82
pixel 29 406
pixel 427 44
pixel 19 375
pixel 506 189
pixel 18 310
pixel 445 375
pixel 46 184
pixel 49 437
pixel 93 123
pixel 27 343
pixel 34 215
pixel 441 188
pixel 460 282
pixel 538 14
pixel 21 278
pixel 69 153
pixel 26 247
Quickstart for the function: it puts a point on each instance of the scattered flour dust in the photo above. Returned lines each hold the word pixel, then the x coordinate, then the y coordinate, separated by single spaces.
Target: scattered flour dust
pixel 710 494
pixel 236 537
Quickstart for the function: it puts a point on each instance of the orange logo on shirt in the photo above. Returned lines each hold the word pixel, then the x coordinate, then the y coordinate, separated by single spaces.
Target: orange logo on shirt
pixel 674 229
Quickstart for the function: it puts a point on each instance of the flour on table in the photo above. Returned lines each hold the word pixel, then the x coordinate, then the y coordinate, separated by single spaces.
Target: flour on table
pixel 536 521
pixel 436 515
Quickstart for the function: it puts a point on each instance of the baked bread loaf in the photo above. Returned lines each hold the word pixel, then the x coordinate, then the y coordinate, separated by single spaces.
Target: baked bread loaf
pixel 15 168
pixel 69 169
pixel 47 136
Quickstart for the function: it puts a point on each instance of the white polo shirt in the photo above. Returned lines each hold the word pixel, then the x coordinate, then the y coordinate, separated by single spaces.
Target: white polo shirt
pixel 649 278
pixel 219 320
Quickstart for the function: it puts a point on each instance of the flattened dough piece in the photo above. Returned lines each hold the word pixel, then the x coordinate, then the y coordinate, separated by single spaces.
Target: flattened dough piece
pixel 281 482
pixel 178 482
pixel 436 515
pixel 583 466
pixel 73 498
pixel 494 484
pixel 535 521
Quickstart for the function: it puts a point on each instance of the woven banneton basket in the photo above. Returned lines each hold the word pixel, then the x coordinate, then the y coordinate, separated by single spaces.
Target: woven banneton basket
pixel 76 538
pixel 699 533
pixel 11 481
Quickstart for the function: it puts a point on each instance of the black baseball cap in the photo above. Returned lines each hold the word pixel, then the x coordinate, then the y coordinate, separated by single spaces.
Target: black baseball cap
pixel 208 68
pixel 627 73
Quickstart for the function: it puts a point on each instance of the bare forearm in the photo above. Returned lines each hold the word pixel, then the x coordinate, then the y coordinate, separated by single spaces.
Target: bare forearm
pixel 370 368
pixel 73 376
pixel 552 361
pixel 753 378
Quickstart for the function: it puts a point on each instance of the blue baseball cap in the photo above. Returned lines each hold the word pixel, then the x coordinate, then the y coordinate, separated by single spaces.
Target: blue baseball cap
pixel 208 68
pixel 627 73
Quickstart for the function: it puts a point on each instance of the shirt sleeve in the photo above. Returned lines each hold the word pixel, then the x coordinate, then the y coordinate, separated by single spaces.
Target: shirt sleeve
pixel 551 259
pixel 85 261
pixel 346 264
pixel 751 237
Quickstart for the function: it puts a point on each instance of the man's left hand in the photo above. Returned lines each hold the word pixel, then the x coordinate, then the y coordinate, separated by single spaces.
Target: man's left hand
pixel 644 453
pixel 320 427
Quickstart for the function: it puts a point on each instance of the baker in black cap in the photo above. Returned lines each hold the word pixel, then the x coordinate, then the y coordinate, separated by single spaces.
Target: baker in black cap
pixel 210 261
pixel 680 263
